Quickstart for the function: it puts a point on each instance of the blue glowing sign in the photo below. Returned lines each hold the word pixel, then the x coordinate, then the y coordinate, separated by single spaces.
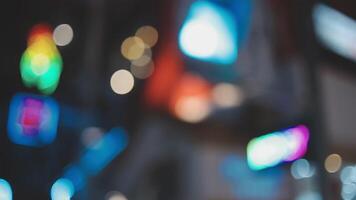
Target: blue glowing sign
pixel 209 33
pixel 32 120
pixel 104 151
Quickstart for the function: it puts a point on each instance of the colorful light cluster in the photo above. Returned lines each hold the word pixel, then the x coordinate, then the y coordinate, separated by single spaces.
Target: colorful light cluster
pixel 32 120
pixel 41 63
pixel 209 33
pixel 282 146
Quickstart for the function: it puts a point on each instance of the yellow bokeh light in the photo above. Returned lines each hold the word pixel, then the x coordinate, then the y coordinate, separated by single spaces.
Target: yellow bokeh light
pixel 226 95
pixel 333 163
pixel 122 82
pixel 148 34
pixel 133 48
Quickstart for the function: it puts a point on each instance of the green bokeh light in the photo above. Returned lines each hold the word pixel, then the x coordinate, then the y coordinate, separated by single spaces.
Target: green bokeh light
pixel 41 65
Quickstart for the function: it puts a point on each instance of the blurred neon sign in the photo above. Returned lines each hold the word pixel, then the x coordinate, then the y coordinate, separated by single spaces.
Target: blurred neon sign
pixel 282 146
pixel 32 120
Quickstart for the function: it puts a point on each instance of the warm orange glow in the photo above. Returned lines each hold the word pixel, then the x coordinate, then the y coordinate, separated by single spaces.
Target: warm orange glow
pixel 190 100
pixel 168 70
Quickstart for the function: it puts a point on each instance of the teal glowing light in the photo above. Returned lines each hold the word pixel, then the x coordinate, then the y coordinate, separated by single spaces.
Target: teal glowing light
pixel 283 146
pixel 209 33
pixel 62 189
pixel 41 63
pixel 5 190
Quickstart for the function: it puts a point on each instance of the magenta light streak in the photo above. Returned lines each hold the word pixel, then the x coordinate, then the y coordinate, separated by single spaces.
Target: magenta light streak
pixel 300 137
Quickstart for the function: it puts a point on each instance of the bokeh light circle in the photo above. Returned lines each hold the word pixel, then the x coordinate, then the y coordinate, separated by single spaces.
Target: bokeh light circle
pixel 148 34
pixel 63 34
pixel 122 82
pixel 133 48
pixel 333 163
pixel 302 169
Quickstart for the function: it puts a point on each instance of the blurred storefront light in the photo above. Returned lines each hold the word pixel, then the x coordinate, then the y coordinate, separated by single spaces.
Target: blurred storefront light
pixel 283 146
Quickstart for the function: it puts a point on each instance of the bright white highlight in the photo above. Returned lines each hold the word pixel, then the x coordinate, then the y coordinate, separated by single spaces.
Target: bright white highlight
pixel 199 38
pixel 122 82
pixel 209 34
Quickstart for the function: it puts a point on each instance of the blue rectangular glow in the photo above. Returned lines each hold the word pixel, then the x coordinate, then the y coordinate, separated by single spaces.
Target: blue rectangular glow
pixel 103 152
pixel 33 120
